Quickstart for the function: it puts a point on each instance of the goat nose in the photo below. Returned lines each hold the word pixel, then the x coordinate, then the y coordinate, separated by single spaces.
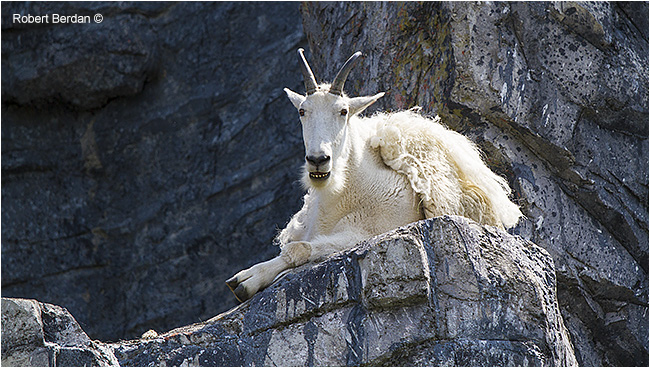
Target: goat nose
pixel 317 160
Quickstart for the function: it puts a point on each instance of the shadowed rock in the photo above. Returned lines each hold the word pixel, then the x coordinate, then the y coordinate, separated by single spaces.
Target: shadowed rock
pixel 147 158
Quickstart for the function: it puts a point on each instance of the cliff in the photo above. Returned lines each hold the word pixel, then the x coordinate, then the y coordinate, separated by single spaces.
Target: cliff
pixel 147 158
pixel 444 291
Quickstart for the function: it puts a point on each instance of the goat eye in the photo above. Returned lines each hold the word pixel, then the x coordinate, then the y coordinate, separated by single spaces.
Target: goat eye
pixel 344 112
pixel 301 112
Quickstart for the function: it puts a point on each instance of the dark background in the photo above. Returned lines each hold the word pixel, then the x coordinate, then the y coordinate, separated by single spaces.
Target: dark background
pixel 148 158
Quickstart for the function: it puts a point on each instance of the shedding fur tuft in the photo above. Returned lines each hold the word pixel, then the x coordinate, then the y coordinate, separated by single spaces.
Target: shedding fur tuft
pixel 444 168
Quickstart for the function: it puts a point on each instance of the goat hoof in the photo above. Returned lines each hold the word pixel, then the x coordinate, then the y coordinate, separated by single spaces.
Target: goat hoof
pixel 232 283
pixel 238 289
pixel 241 294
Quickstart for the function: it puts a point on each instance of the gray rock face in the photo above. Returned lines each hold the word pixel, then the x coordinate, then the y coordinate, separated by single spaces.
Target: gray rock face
pixel 84 65
pixel 441 291
pixel 556 95
pixel 46 335
pixel 147 158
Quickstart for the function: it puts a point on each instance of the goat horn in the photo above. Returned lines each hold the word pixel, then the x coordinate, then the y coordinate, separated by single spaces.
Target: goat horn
pixel 310 81
pixel 339 81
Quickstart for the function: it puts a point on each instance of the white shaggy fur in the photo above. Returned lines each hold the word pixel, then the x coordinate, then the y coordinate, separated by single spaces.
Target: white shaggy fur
pixel 444 168
pixel 381 172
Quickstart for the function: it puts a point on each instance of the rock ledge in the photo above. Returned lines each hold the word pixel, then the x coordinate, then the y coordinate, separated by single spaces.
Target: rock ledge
pixel 440 291
pixel 443 291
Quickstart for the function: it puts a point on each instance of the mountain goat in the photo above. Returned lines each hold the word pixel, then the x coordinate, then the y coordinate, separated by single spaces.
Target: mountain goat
pixel 367 175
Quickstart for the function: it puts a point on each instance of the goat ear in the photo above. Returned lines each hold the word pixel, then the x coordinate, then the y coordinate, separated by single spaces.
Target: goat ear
pixel 358 104
pixel 296 98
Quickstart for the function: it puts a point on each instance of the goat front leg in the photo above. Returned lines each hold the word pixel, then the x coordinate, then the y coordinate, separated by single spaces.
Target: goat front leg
pixel 249 281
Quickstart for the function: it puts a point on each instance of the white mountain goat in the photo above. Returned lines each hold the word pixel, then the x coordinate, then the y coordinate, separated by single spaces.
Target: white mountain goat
pixel 367 175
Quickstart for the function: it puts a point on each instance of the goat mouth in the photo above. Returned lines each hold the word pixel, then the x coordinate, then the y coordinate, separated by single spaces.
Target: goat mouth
pixel 319 175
